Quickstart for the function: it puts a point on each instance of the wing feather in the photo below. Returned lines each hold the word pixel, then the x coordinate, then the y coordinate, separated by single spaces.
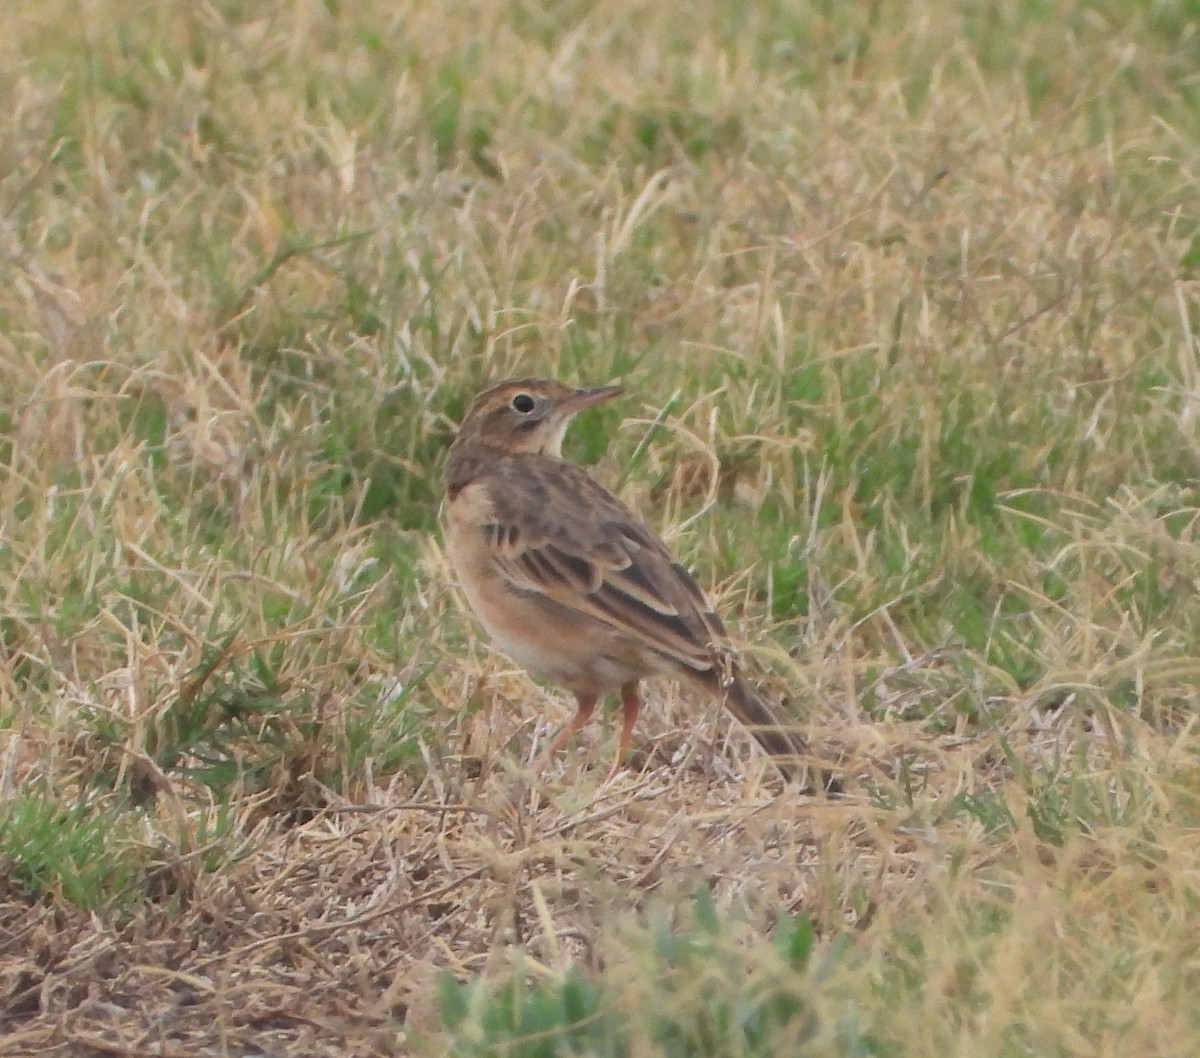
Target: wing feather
pixel 583 549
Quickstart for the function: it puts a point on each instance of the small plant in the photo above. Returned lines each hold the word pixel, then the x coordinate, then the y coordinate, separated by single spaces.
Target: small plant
pixel 531 1020
pixel 696 990
pixel 77 853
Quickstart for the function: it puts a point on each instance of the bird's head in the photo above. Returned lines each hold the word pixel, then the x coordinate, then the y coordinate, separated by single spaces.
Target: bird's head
pixel 528 416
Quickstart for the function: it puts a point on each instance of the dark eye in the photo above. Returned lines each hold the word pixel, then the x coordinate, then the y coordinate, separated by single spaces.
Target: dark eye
pixel 523 403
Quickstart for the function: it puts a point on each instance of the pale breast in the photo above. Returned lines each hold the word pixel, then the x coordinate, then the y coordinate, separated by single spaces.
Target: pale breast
pixel 552 642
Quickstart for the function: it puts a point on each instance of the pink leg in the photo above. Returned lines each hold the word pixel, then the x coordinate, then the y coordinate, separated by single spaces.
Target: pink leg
pixel 631 705
pixel 583 713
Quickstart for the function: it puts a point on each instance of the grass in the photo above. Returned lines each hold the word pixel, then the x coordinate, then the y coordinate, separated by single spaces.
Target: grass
pixel 905 304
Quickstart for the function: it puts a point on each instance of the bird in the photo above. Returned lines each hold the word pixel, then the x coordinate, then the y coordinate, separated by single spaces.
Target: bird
pixel 570 583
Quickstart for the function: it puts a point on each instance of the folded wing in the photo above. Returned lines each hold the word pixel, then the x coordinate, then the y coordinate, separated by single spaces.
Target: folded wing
pixel 607 565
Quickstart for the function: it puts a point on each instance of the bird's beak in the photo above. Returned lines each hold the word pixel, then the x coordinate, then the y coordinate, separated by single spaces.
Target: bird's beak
pixel 585 398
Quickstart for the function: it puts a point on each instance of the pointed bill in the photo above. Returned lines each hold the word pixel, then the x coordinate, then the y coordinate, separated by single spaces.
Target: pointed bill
pixel 585 398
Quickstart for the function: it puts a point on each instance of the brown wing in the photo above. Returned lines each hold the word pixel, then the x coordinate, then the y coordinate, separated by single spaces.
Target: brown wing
pixel 558 533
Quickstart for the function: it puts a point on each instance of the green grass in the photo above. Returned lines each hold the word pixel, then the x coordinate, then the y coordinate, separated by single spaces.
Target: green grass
pixel 904 304
pixel 709 998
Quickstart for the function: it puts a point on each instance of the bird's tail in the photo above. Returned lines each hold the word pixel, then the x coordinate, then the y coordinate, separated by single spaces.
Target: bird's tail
pixel 774 732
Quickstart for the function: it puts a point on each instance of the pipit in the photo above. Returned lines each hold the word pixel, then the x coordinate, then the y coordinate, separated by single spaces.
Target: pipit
pixel 569 582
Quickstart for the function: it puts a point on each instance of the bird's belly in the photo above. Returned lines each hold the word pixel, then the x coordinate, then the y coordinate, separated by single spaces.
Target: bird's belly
pixel 573 651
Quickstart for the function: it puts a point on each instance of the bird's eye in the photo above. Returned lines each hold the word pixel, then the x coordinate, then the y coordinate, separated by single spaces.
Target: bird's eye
pixel 522 403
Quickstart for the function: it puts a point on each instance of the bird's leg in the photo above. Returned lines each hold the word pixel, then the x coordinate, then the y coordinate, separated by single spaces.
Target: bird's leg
pixel 631 705
pixel 586 705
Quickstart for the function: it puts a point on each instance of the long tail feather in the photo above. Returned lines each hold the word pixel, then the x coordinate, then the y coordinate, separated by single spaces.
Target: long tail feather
pixel 776 734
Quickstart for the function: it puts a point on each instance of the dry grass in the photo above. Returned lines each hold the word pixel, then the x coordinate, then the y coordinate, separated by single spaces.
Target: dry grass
pixel 905 302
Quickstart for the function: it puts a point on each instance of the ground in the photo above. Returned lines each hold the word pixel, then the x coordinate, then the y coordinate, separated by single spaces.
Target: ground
pixel 904 303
